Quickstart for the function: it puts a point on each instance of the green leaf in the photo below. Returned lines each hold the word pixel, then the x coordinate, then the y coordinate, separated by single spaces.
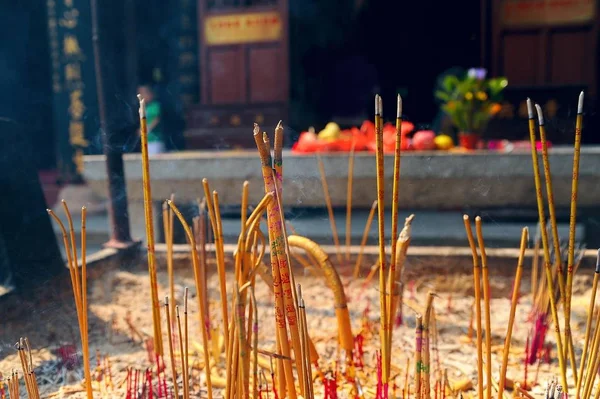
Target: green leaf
pixel 442 95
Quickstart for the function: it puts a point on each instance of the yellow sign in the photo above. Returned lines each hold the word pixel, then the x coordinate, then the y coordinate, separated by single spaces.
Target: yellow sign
pixel 242 28
pixel 547 12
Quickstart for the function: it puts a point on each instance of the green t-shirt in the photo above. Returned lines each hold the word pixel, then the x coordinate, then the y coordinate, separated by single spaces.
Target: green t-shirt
pixel 152 113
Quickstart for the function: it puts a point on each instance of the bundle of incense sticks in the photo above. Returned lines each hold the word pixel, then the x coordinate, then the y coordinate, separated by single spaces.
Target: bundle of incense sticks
pixel 78 283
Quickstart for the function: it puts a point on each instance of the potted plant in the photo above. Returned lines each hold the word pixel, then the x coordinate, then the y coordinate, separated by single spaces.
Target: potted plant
pixel 470 101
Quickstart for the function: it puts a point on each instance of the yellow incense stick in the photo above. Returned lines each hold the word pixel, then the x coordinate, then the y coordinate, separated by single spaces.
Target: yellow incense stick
pixel 84 303
pixel 149 228
pixel 418 354
pixel 395 199
pixel 220 260
pixel 573 221
pixel 588 325
pixel 486 299
pixel 513 309
pixel 477 288
pixel 363 242
pixel 555 240
pixel 336 239
pixel 381 227
pixel 545 245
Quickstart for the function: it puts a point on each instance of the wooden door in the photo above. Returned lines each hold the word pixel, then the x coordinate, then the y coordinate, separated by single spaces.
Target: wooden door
pixel 244 68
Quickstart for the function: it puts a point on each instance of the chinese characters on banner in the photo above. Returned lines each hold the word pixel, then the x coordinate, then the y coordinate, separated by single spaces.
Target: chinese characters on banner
pixel 187 61
pixel 242 28
pixel 547 12
pixel 73 83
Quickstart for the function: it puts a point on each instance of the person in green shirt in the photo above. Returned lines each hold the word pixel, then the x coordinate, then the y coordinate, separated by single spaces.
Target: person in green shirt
pixel 156 143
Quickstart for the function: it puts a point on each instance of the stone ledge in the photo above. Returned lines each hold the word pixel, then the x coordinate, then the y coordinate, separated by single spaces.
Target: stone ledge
pixel 429 180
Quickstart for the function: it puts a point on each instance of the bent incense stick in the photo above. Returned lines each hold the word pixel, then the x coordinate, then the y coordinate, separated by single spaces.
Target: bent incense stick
pixel 513 308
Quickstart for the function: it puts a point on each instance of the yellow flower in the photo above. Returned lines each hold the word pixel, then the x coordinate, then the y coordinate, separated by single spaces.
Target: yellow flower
pixel 469 95
pixel 482 96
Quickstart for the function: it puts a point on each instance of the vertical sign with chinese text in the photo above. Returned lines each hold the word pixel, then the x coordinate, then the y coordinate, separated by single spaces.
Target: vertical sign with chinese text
pixel 73 83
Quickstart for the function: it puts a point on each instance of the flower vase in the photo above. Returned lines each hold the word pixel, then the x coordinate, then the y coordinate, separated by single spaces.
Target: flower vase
pixel 468 141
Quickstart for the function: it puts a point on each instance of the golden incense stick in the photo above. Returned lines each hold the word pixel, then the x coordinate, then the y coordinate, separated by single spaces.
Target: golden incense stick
pixel 418 354
pixel 477 287
pixel 158 346
pixel 486 299
pixel 395 199
pixel 513 309
pixel 278 267
pixel 220 260
pixel 363 242
pixel 349 201
pixel 572 222
pixel 555 240
pixel 588 325
pixel 545 245
pixel 336 239
pixel 381 225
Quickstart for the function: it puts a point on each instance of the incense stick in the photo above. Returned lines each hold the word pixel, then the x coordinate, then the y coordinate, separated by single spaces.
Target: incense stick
pixel 201 300
pixel 477 287
pixel 588 325
pixel 572 225
pixel 220 260
pixel 363 242
pixel 545 245
pixel 186 394
pixel 149 227
pixel 395 188
pixel 334 232
pixel 513 308
pixel 381 228
pixel 171 352
pixel 486 299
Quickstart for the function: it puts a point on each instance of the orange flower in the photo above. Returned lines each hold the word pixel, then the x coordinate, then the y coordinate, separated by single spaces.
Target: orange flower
pixel 495 108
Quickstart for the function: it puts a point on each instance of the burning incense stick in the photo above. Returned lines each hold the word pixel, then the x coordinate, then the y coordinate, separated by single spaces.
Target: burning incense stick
pixel 545 245
pixel 588 325
pixel 158 347
pixel 477 288
pixel 381 226
pixel 572 224
pixel 486 299
pixel 363 242
pixel 513 308
pixel 349 201
pixel 569 350
pixel 171 352
pixel 395 188
pixel 551 208
pixel 336 239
